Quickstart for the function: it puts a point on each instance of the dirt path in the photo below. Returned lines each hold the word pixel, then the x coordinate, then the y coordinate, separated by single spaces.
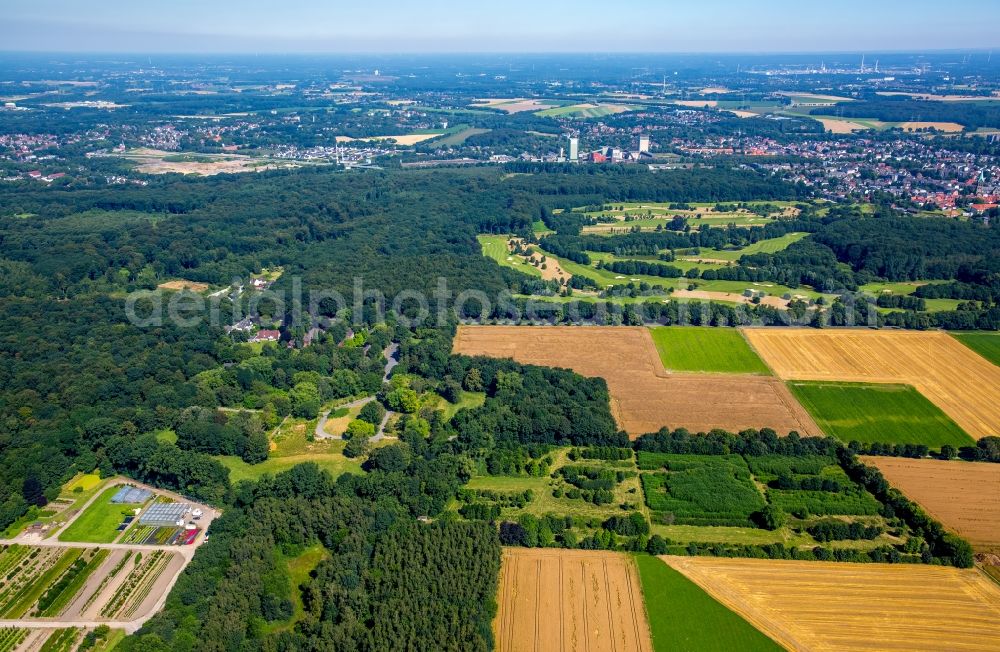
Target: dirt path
pixel 76 607
pixel 35 640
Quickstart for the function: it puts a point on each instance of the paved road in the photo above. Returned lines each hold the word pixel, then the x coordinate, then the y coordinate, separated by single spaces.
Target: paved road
pixel 389 353
pixel 390 360
pixel 321 424
pixel 380 434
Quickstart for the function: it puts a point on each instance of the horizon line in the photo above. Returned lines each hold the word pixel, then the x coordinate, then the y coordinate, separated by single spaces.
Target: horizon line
pixel 983 50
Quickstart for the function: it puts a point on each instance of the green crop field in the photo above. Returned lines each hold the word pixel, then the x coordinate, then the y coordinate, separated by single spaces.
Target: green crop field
pixel 99 523
pixel 732 535
pixel 701 489
pixel 683 617
pixel 891 414
pixel 454 138
pixel 985 344
pixel 707 349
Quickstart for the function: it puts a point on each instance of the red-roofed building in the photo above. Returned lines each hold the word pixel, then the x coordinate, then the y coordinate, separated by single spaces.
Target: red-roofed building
pixel 264 335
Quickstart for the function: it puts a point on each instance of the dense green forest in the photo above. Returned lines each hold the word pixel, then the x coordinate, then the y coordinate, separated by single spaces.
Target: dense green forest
pixel 75 373
pixel 82 387
pixel 385 581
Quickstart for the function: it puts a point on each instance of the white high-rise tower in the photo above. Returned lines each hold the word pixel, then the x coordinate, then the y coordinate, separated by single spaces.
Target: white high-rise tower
pixel 574 149
pixel 643 143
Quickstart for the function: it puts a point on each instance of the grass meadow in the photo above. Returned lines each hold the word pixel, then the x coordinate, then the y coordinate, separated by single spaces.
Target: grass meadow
pixel 771 246
pixel 869 413
pixel 99 523
pixel 495 247
pixel 335 463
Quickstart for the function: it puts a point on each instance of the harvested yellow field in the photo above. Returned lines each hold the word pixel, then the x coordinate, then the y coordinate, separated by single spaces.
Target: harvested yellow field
pixel 569 601
pixel 514 105
pixel 179 285
pixel 697 104
pixel 808 605
pixel 839 126
pixel 948 127
pixel 728 297
pixel 964 496
pixel 644 396
pixel 949 374
pixel 406 140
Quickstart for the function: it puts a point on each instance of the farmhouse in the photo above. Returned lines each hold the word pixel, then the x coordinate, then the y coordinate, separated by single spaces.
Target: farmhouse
pixel 265 335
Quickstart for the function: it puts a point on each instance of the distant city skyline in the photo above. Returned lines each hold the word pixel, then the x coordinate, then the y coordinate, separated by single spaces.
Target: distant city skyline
pixel 443 26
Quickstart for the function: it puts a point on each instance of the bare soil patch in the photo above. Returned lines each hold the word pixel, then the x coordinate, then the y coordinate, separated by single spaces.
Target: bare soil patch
pixel 644 396
pixel 552 271
pixel 949 374
pixel 402 139
pixel 839 126
pixel 964 496
pixel 807 605
pixel 181 284
pixel 565 600
pixel 731 297
pixel 151 161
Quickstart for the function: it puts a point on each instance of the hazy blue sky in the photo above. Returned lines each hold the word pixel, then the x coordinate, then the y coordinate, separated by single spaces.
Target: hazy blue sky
pixel 501 26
